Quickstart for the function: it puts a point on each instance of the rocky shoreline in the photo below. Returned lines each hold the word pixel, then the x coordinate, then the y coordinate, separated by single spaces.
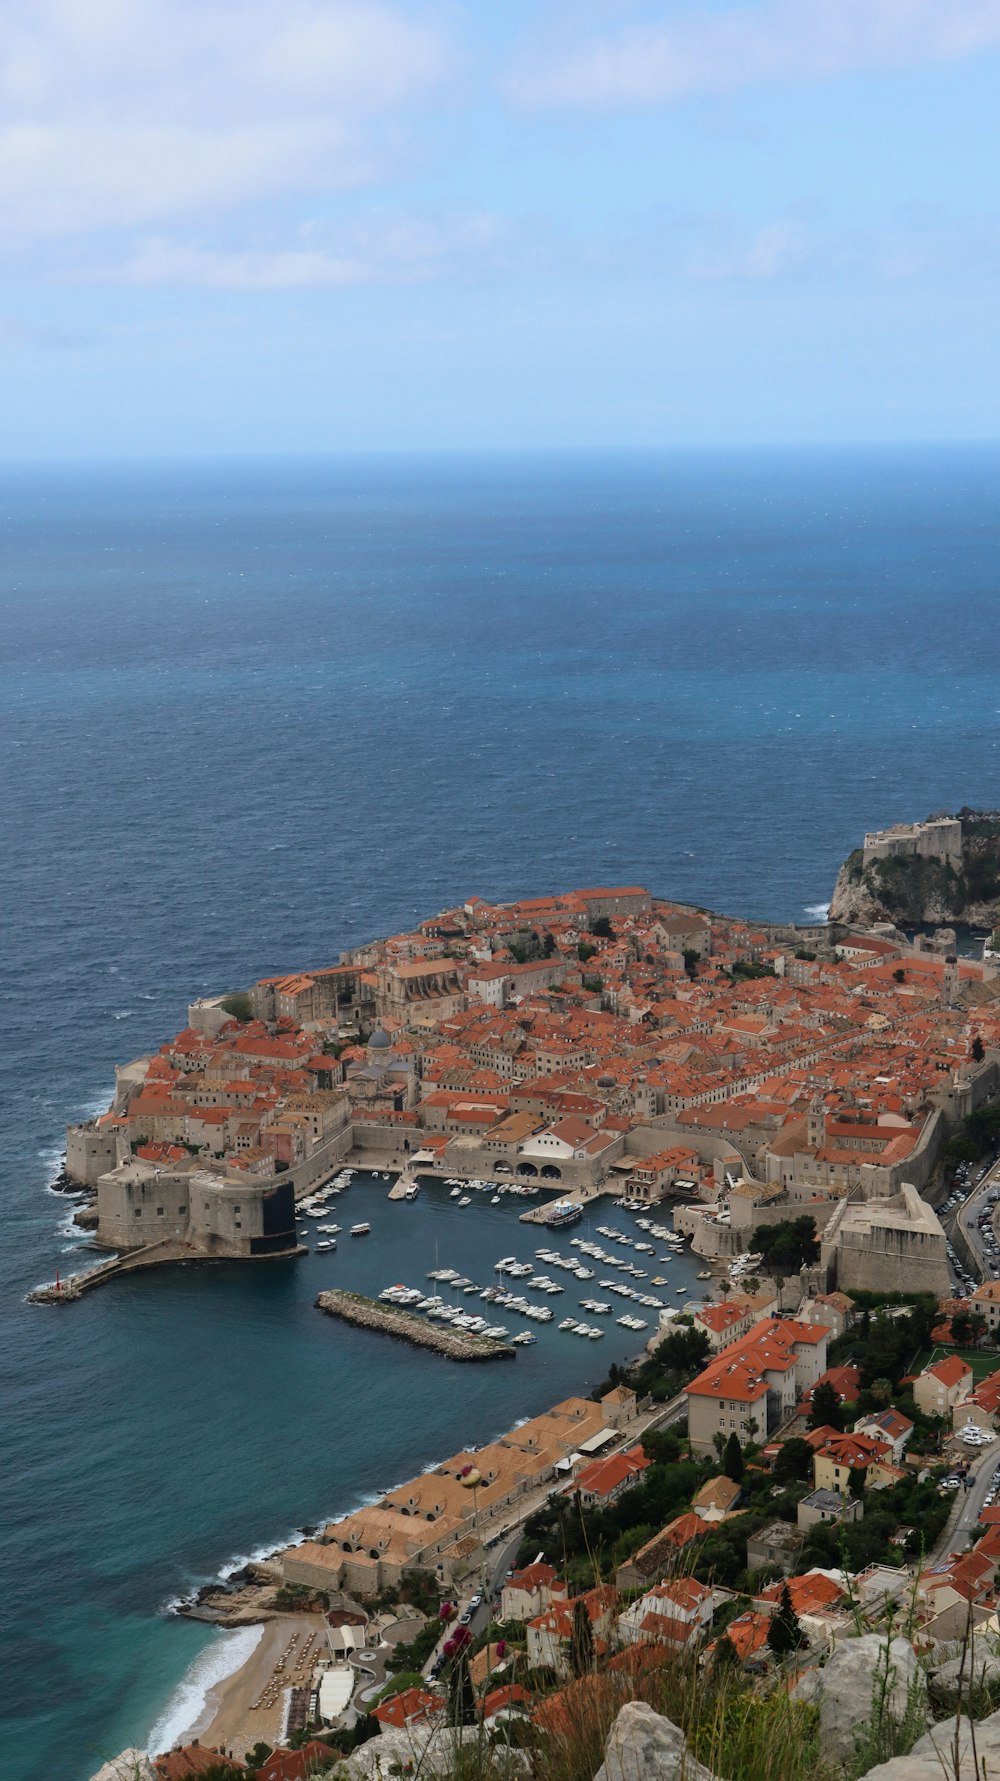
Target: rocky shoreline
pixel 391 1320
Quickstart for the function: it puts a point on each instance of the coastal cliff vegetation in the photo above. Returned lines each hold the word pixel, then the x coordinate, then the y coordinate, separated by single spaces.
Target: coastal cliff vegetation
pixel 918 888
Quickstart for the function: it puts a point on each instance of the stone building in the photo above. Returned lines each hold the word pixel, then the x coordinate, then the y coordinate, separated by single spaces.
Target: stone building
pixel 91 1150
pixel 140 1203
pixel 891 1245
pixel 940 839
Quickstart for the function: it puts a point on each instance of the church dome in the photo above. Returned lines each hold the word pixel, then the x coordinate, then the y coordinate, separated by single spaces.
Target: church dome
pixel 379 1041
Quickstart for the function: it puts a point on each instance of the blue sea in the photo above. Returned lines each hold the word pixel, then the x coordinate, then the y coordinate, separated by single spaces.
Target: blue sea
pixel 253 713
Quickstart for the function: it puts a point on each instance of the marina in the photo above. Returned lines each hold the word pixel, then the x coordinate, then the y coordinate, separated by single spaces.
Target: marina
pixel 506 1295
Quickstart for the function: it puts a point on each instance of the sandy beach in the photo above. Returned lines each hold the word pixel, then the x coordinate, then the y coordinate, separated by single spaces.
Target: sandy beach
pixel 250 1704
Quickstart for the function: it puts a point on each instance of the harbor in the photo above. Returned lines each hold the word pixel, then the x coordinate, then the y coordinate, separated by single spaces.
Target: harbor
pixel 603 1283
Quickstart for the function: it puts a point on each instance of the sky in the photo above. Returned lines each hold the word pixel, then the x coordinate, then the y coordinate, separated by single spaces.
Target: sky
pixel 255 226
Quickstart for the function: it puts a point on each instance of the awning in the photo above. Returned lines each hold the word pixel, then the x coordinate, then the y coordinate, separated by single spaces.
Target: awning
pixel 596 1442
pixel 335 1690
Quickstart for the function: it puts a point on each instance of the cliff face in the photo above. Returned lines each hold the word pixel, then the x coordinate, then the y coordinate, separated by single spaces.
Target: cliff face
pixel 915 889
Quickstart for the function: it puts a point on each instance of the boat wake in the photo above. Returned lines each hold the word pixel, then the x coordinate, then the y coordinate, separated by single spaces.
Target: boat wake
pixel 226 1654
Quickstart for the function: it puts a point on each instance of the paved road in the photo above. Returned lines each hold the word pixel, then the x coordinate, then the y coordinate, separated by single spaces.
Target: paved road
pixel 966 1510
pixel 965 1220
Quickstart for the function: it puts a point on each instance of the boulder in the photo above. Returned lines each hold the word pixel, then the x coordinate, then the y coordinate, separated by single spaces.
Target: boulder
pixel 978 1666
pixel 644 1746
pixel 845 1688
pixel 427 1751
pixel 131 1765
pixel 933 1756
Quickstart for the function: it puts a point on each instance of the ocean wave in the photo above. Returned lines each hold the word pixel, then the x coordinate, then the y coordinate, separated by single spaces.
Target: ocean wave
pixel 123 1014
pixel 817 911
pixel 227 1653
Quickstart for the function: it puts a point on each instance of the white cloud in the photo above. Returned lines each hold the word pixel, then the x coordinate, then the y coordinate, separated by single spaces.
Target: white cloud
pixel 382 250
pixel 769 252
pixel 710 52
pixel 125 112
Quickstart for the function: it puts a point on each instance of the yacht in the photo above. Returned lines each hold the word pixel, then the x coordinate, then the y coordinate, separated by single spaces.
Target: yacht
pixel 360 1230
pixel 454 1193
pixel 465 1201
pixel 327 1243
pixel 525 1339
pixel 704 1274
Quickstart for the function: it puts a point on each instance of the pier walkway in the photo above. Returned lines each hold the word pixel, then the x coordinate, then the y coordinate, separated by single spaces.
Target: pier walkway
pixel 392 1320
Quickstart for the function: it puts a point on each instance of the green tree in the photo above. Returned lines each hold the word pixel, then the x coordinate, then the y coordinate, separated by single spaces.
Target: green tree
pixel 978 1049
pixel 238 1006
pixel 581 1640
pixel 857 1483
pixel 794 1461
pixel 585 951
pixel 786 1246
pixel 548 945
pixel 825 1409
pixel 601 926
pixel 691 960
pixel 785 1633
pixel 961 1328
pixel 732 1464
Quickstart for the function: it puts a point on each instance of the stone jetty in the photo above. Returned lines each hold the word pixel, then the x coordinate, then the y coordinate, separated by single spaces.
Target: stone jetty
pixel 392 1320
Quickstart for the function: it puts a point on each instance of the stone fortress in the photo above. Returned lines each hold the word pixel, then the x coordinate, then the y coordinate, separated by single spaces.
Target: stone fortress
pixel 938 839
pixel 895 1244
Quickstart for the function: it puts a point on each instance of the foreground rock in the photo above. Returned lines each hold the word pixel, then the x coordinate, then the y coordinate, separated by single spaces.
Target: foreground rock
pixel 131 1765
pixel 978 1668
pixel 938 1757
pixel 860 1673
pixel 644 1746
pixel 432 1752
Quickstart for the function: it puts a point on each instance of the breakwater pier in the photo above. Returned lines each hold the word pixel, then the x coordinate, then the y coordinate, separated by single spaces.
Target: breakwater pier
pixel 391 1320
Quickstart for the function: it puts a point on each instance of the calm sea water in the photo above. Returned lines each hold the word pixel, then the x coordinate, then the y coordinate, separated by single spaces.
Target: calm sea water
pixel 250 715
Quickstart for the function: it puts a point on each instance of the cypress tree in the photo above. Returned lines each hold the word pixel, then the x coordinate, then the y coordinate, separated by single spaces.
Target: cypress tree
pixel 732 1464
pixel 784 1633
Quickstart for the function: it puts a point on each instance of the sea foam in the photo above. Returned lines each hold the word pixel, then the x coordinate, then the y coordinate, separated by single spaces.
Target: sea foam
pixel 817 911
pixel 227 1653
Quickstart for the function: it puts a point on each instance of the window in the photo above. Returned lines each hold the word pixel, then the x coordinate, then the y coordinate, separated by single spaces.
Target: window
pixel 137 1212
pixel 159 1211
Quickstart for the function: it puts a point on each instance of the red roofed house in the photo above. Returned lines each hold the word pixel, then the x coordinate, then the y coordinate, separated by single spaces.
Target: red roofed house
pixel 192 1759
pixel 810 1593
pixel 748 1634
pixel 837 1458
pixel 753 1386
pixel 846 1382
pixel 409 1708
pixel 939 1387
pixel 982 1406
pixel 947 1590
pixel 724 1323
pixel 604 1480
pixel 673 1613
pixel 550 1635
pixel 531 1591
pixel 295 1765
pixel 886 1425
pixel 507 1703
